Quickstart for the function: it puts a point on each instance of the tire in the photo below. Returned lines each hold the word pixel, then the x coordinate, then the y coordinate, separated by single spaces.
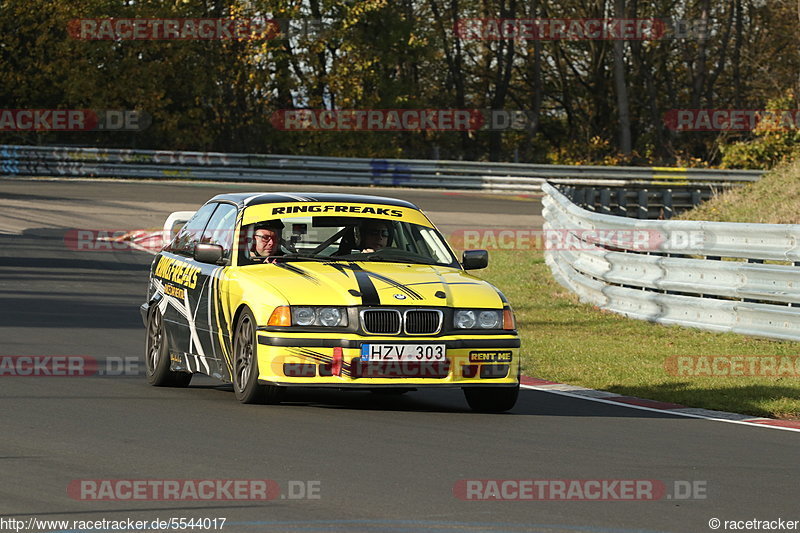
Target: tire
pixel 156 355
pixel 491 399
pixel 245 364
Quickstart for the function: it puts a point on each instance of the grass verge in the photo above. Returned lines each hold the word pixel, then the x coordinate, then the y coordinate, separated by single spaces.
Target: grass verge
pixel 566 341
pixel 774 199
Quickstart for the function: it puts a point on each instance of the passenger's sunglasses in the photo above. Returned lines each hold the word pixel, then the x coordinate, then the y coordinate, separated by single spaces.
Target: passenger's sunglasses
pixel 379 232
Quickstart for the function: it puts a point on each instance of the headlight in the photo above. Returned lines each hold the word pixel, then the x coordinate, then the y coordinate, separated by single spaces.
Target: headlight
pixel 489 319
pixel 303 316
pixel 330 316
pixel 478 319
pixel 465 319
pixel 319 316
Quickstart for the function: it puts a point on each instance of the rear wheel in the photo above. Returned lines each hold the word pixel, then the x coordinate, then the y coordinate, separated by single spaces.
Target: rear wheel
pixel 156 355
pixel 491 399
pixel 245 364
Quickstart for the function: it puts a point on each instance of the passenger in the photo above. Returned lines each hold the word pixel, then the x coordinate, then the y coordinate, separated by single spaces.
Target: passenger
pixel 374 235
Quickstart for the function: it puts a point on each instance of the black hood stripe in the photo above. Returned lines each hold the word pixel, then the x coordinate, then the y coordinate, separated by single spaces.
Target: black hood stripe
pixel 442 283
pixel 297 270
pixel 369 294
pixel 341 268
pixel 396 284
pixel 367 289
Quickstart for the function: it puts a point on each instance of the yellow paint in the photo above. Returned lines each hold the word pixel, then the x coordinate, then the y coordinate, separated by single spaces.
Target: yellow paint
pixel 672 174
pixel 177 271
pixel 261 212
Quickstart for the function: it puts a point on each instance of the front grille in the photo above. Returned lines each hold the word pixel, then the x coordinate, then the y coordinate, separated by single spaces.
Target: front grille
pixel 423 321
pixel 395 321
pixel 381 321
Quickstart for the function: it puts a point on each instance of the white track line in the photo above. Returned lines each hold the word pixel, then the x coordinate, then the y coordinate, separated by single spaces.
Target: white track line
pixel 676 412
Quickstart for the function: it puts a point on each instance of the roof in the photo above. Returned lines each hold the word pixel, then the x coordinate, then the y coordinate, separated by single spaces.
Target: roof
pixel 255 198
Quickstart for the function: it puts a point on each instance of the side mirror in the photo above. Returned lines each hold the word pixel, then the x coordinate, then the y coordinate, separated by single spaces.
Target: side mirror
pixel 475 259
pixel 208 253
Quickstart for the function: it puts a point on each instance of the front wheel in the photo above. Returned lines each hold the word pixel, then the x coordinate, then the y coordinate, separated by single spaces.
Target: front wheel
pixel 245 364
pixel 491 399
pixel 156 355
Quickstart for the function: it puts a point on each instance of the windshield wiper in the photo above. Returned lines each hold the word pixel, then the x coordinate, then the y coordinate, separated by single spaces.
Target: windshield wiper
pixel 389 259
pixel 301 257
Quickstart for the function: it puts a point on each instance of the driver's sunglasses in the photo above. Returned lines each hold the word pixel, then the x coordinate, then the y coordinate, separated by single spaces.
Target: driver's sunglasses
pixel 265 238
pixel 379 232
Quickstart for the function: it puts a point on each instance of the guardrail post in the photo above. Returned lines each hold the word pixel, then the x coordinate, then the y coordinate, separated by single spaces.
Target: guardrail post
pixel 643 201
pixel 605 201
pixel 580 196
pixel 697 197
pixel 666 196
pixel 622 202
pixel 590 194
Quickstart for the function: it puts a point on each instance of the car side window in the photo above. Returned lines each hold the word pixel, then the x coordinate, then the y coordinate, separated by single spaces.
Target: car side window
pixel 190 233
pixel 219 229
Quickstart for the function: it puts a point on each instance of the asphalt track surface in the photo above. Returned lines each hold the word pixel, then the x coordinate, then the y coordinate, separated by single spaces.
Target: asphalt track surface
pixel 379 463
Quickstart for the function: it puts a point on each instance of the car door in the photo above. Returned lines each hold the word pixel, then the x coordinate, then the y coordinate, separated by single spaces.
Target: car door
pixel 177 277
pixel 209 319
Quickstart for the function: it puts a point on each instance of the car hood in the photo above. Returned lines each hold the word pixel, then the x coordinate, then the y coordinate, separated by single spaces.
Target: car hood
pixel 375 283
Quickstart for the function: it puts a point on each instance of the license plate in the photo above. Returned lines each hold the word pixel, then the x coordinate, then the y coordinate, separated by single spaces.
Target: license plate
pixel 403 352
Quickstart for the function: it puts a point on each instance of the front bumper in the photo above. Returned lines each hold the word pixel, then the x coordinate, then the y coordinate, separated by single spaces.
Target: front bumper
pixel 315 360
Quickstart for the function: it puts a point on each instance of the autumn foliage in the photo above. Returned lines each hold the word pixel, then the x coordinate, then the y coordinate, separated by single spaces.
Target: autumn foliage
pixel 587 100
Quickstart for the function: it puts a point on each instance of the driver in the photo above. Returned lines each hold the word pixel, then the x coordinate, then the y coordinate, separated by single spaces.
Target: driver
pixel 374 235
pixel 266 241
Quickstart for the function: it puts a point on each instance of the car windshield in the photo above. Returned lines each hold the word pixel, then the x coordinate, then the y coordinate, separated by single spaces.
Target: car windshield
pixel 331 238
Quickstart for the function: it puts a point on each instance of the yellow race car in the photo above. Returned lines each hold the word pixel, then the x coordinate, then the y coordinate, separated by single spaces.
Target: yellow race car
pixel 273 290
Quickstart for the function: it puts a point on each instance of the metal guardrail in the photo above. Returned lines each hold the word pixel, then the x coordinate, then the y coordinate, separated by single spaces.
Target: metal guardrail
pixel 491 177
pixel 642 201
pixel 709 275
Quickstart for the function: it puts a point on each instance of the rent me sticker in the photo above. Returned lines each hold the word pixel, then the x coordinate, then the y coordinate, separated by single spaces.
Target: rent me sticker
pixel 490 356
